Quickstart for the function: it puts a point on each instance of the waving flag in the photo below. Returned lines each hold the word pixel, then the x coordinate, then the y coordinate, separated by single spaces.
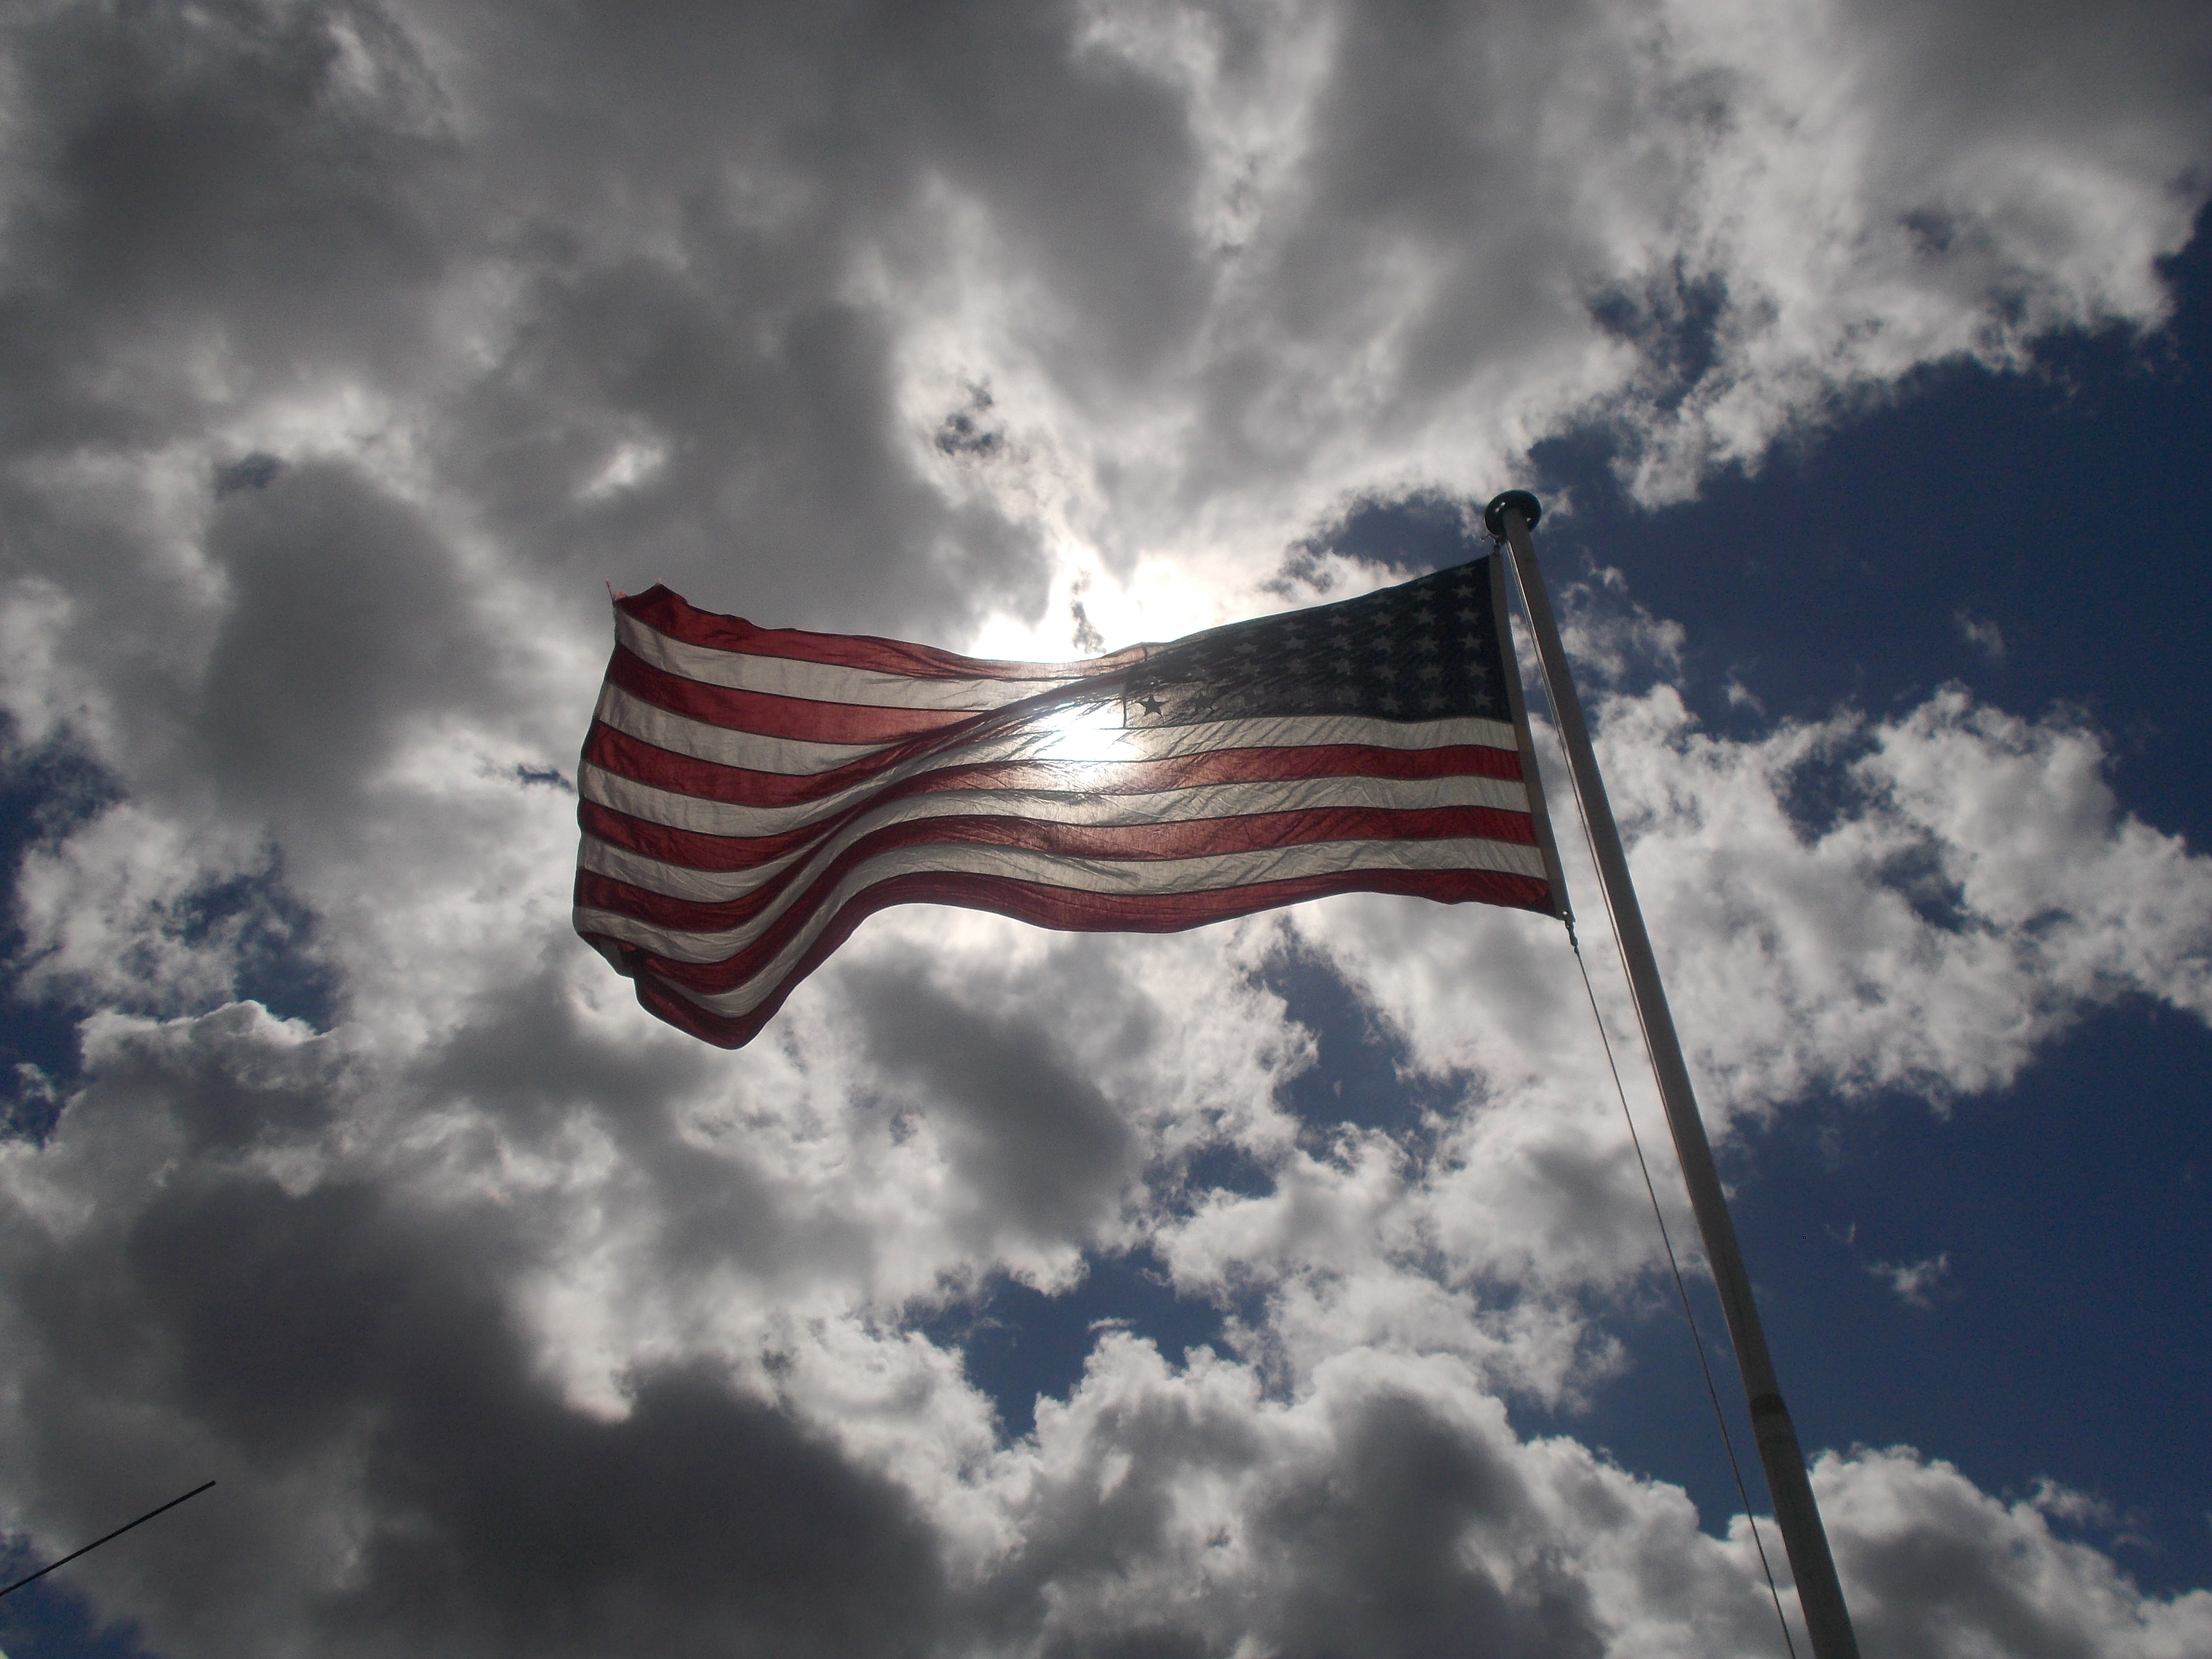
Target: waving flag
pixel 750 794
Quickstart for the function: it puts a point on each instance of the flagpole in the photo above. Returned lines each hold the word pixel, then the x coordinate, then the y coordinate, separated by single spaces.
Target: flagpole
pixel 1511 517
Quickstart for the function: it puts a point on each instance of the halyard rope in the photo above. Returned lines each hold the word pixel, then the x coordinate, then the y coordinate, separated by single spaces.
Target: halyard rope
pixel 1674 1265
pixel 1697 1338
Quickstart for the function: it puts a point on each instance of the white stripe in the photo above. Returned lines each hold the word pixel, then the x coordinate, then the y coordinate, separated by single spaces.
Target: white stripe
pixel 1113 876
pixel 821 682
pixel 1219 800
pixel 676 880
pixel 715 817
pixel 1078 735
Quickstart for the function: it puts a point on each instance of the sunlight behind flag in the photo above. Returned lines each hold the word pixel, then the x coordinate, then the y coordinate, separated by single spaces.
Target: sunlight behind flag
pixel 1090 732
pixel 749 795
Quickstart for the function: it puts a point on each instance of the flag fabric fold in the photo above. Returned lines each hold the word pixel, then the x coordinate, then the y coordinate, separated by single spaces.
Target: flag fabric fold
pixel 749 795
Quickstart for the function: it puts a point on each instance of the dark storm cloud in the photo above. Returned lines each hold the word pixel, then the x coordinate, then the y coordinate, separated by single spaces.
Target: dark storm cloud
pixel 279 196
pixel 1373 1551
pixel 771 472
pixel 1406 157
pixel 214 205
pixel 226 1089
pixel 505 1516
pixel 270 1331
pixel 525 1061
pixel 347 617
pixel 2033 65
pixel 523 1056
pixel 700 1523
pixel 210 167
pixel 346 1357
pixel 784 146
pixel 1398 1531
pixel 1036 1142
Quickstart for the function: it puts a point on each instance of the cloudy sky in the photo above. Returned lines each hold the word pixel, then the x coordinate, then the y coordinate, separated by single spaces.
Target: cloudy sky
pixel 1285 1287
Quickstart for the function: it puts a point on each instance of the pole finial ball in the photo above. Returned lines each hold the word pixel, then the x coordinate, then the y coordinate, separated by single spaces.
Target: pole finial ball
pixel 1493 516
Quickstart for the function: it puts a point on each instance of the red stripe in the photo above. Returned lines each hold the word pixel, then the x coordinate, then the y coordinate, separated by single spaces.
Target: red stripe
pixel 693 849
pixel 661 768
pixel 1143 844
pixel 1173 839
pixel 658 608
pixel 766 714
pixel 1069 911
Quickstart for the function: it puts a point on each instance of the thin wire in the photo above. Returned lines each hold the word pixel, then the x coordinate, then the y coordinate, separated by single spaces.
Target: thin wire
pixel 97 1542
pixel 1681 1289
pixel 1674 1265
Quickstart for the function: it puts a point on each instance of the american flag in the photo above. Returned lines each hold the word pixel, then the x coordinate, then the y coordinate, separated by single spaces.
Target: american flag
pixel 750 794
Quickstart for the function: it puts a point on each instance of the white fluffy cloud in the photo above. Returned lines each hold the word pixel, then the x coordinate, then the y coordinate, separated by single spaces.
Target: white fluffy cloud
pixel 349 346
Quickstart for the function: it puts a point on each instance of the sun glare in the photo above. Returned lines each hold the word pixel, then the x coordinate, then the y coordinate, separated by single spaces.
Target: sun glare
pixel 1084 731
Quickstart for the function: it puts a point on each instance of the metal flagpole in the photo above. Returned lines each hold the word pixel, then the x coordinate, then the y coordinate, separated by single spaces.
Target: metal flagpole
pixel 1511 518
